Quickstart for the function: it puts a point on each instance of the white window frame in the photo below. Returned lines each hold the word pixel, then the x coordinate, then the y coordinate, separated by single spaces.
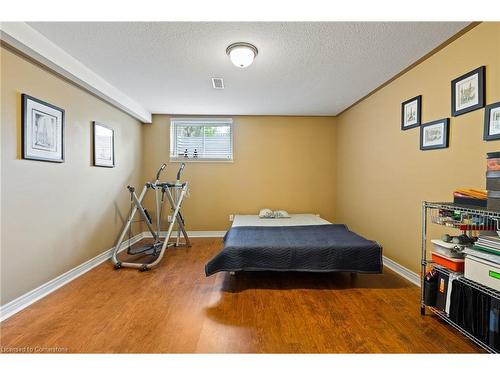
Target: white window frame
pixel 204 121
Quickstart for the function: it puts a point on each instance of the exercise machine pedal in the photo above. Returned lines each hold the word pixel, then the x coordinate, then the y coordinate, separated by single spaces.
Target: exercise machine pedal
pixel 145 249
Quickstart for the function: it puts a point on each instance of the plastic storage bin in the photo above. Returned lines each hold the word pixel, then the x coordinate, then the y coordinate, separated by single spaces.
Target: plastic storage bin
pixel 446 249
pixel 493 161
pixel 493 181
pixel 453 264
pixel 482 271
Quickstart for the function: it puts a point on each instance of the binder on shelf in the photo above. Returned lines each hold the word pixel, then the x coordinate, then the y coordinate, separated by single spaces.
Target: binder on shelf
pixel 442 290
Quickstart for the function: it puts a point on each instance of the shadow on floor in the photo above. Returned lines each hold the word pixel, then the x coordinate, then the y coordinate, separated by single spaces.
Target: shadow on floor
pixel 333 301
pixel 242 281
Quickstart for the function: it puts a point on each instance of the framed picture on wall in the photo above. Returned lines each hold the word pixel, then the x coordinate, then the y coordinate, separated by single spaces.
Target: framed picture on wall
pixel 42 130
pixel 468 92
pixel 435 134
pixel 104 145
pixel 411 111
pixel 492 122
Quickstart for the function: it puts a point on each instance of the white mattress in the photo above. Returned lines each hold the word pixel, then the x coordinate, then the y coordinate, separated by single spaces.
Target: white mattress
pixel 296 219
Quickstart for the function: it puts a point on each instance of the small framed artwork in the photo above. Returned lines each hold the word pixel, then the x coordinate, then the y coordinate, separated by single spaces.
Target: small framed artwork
pixel 104 145
pixel 42 130
pixel 492 122
pixel 435 134
pixel 411 111
pixel 468 92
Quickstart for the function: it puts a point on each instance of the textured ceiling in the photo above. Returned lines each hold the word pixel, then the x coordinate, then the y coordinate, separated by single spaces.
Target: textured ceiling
pixel 302 68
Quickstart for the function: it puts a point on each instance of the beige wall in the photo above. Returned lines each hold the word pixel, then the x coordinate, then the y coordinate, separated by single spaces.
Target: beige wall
pixel 279 162
pixel 382 176
pixel 56 216
pixel 359 168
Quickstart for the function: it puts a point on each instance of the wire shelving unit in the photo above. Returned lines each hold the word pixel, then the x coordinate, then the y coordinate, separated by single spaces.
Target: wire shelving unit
pixel 467 219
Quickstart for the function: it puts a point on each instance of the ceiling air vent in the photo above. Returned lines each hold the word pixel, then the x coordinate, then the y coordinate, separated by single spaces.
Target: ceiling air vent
pixel 218 83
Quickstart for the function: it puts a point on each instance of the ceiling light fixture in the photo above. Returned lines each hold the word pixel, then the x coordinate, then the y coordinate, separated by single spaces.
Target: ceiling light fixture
pixel 242 54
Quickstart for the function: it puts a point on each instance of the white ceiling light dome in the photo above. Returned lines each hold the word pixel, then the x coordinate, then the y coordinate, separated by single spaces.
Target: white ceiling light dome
pixel 242 54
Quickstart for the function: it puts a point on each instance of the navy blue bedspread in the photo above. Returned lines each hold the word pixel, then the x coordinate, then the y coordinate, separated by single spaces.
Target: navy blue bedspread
pixel 310 248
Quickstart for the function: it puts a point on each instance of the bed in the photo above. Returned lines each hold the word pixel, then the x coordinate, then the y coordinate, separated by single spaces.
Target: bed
pixel 303 242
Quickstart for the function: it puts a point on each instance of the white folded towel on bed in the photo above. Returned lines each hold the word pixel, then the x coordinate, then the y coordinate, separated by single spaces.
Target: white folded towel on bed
pixel 281 214
pixel 266 213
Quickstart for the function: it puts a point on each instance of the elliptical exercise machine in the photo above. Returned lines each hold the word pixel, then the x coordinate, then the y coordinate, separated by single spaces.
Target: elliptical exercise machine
pixel 175 193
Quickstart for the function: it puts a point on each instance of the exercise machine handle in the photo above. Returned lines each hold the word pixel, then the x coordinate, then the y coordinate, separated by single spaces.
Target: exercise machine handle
pixel 180 171
pixel 163 166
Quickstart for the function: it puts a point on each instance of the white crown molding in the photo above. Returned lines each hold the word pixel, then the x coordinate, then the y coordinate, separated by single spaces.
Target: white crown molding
pixel 34 295
pixel 30 42
pixel 409 275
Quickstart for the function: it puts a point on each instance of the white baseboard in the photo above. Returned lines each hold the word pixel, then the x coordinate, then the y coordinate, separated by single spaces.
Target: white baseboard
pixel 402 271
pixel 194 233
pixel 206 233
pixel 34 295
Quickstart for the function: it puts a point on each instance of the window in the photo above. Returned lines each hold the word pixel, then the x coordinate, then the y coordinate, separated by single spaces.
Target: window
pixel 201 139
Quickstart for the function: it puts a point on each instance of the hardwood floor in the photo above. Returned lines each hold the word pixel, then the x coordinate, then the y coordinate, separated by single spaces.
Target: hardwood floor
pixel 176 309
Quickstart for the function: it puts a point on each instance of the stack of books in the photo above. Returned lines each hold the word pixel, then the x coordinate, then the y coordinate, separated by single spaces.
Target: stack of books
pixel 489 244
pixel 470 197
pixel 493 180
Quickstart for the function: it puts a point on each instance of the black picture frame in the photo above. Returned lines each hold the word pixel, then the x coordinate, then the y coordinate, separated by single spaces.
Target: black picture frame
pixel 25 98
pixel 418 99
pixel 94 158
pixel 487 122
pixel 481 72
pixel 446 135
